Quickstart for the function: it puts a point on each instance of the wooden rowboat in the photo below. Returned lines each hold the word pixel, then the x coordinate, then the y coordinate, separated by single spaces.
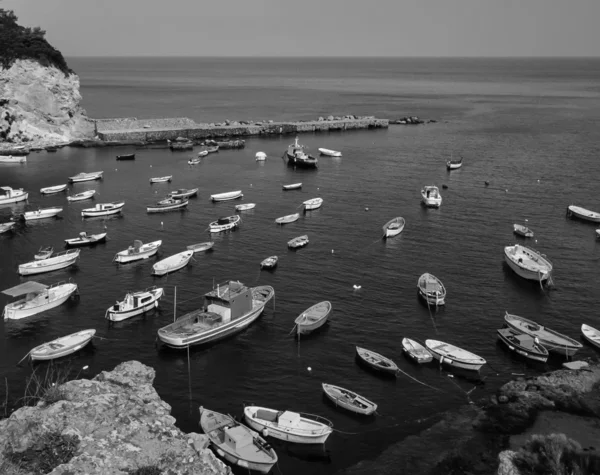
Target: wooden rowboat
pixel 245 206
pixel 582 213
pixel 63 346
pixel 84 195
pixel 293 186
pixel 349 399
pixel 431 289
pixel 313 318
pixel 298 242
pixel 394 227
pixel 454 356
pixel 201 246
pixel 161 179
pixel 290 218
pixel 53 189
pixel 127 156
pixel 330 153
pixel 376 361
pixel 523 344
pixel 591 335
pixel 269 262
pixel 230 195
pixel 172 263
pixel 86 240
pixel 416 351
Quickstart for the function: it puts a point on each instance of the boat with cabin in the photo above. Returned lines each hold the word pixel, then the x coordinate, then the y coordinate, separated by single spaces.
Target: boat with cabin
pixel 292 186
pixel 85 239
pixel 269 262
pixel 431 289
pixel 60 260
pixel 393 227
pixel 227 310
pixel 298 242
pixel 103 209
pixel 349 400
pixel 290 218
pixel 330 153
pixel 13 159
pixel 81 177
pixel 172 263
pixel 134 303
pixel 528 263
pixel 38 298
pixel 454 164
pixel 224 224
pixel 138 251
pixel 583 214
pixel 41 213
pixel 591 335
pixel 523 231
pixel 63 346
pixel 416 351
pixel 161 179
pixel 44 253
pixel 297 156
pixel 314 203
pixel 230 195
pixel 523 344
pixel 168 204
pixel 376 361
pixel 201 246
pixel 50 190
pixel 312 318
pixel 84 195
pixel 9 195
pixel 431 197
pixel 454 356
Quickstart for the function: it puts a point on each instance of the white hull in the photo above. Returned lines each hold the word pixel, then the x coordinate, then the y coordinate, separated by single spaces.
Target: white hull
pixel 330 153
pixel 172 263
pixel 84 195
pixel 69 345
pixel 11 159
pixel 591 335
pixel 537 273
pixel 49 265
pixel 126 256
pixel 161 179
pixel 456 362
pixel 86 177
pixel 164 209
pixel 58 296
pixel 100 211
pixel 41 214
pixel 584 214
pixel 245 207
pixel 315 203
pixel 53 189
pixel 12 196
pixel 318 435
pixel 4 227
pixel 232 195
pixel 218 228
pixel 119 316
pixel 432 202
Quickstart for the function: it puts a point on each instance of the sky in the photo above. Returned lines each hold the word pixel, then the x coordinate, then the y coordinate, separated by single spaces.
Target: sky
pixel 400 28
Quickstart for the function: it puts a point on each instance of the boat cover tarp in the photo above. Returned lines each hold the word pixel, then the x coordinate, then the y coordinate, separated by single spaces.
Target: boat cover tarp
pixel 26 288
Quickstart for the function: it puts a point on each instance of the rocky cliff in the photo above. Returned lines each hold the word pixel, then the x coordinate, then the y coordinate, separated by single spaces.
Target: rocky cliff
pixel 113 424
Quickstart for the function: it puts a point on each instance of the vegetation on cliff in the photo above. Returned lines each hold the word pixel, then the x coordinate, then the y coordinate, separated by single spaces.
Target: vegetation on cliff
pixel 19 42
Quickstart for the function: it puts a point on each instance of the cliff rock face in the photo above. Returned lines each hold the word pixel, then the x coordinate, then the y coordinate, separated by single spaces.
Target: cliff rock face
pixel 40 106
pixel 113 424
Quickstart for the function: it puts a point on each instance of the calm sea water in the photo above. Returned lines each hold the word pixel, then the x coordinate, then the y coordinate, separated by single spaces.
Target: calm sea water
pixel 529 127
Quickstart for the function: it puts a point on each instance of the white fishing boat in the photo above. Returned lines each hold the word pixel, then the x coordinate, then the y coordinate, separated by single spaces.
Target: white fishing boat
pixel 80 177
pixel 454 356
pixel 236 443
pixel 522 230
pixel 298 242
pixel 9 195
pixel 138 251
pixel 62 346
pixel 295 427
pixel 297 156
pixel 84 195
pixel 161 179
pixel 58 261
pixel 314 203
pixel 53 189
pixel 528 263
pixel 224 224
pixel 454 164
pixel 292 186
pixel 103 209
pixel 194 161
pixel 172 263
pixel 431 289
pixel 4 227
pixel 134 303
pixel 203 153
pixel 376 361
pixel 260 156
pixel 227 310
pixel 184 193
pixel 290 218
pixel 312 318
pixel 201 246
pixel 582 213
pixel 591 335
pixel 168 204
pixel 245 206
pixel 330 153
pixel 393 227
pixel 230 195
pixel 269 262
pixel 349 399
pixel 416 351
pixel 38 298
pixel 523 344
pixel 431 196
pixel 550 339
pixel 41 213
pixel 43 253
pixel 12 159
pixel 85 239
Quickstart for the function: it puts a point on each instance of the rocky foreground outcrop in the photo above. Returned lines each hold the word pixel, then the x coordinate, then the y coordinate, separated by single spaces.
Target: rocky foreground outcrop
pixel 114 423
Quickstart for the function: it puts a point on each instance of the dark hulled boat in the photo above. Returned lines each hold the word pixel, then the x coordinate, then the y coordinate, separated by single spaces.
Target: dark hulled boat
pixel 297 156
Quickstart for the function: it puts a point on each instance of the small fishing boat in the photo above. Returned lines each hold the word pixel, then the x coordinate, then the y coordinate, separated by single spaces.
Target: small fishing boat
pixel 290 218
pixel 10 195
pixel 80 177
pixel 550 339
pixel 269 262
pixel 62 346
pixel 349 399
pixel 138 251
pixel 236 443
pixel 260 156
pixel 53 189
pixel 528 263
pixel 312 318
pixel 127 156
pixel 230 195
pixel 172 263
pixel 523 344
pixel 431 289
pixel 86 240
pixel 103 209
pixel 43 253
pixel 297 156
pixel 393 227
pixel 201 246
pixel 522 230
pixel 202 153
pixel 38 298
pixel 376 361
pixel 168 204
pixel 84 195
pixel 298 242
pixel 5 227
pixel 41 213
pixel 58 261
pixel 184 193
pixel 295 427
pixel 454 356
pixel 293 186
pixel 454 164
pixel 431 196
pixel 314 203
pixel 245 206
pixel 12 159
pixel 227 310
pixel 582 213
pixel 224 224
pixel 161 179
pixel 330 153
pixel 591 335
pixel 416 351
pixel 134 303
pixel 213 149
pixel 194 161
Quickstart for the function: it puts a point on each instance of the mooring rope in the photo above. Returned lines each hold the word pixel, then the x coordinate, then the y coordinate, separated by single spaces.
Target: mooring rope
pixel 420 382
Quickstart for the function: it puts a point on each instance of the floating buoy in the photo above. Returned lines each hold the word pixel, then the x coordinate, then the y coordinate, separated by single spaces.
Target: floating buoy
pixel 85 367
pixel 115 169
pixel 265 432
pixel 309 369
pixel 506 191
pixel 366 209
pixel 526 220
pixel 150 166
pixel 356 287
pixel 250 184
pixel 161 224
pixel 332 251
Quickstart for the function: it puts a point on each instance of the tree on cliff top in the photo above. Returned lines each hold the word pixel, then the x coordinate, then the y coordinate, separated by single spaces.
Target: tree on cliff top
pixel 19 42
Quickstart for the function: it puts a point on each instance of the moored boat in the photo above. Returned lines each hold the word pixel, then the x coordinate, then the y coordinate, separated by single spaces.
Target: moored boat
pixel 84 195
pixel 236 443
pixel 416 351
pixel 184 193
pixel 260 156
pixel 431 289
pixel 330 153
pixel 43 253
pixel 9 195
pixel 312 318
pixel 292 186
pixel 13 159
pixel 245 206
pixel 4 227
pixel 298 242
pixel 314 203
pixel 349 399
pixel 127 156
pixel 528 263
pixel 138 251
pixel 201 246
pixel 431 196
pixel 376 361
pixel 227 310
pixel 85 239
pixel 103 209
pixel 269 262
pixel 583 214
pixel 80 177
pixel 550 339
pixel 591 335
pixel 598 233
pixel 161 179
pixel 172 263
pixel 41 213
pixel 454 356
pixel 62 346
pixel 523 344
pixel 230 195
pixel 194 161
pixel 290 426
pixel 522 230
pixel 58 261
pixel 134 303
pixel 224 224
pixel 213 149
pixel 290 218
pixel 297 156
pixel 49 190
pixel 168 204
pixel 393 227
pixel 38 298
pixel 202 153
pixel 454 164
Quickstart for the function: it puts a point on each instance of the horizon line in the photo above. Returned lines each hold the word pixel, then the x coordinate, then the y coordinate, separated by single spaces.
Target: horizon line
pixel 329 57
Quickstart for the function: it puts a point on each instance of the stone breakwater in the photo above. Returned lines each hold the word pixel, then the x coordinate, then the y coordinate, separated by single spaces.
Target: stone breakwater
pixel 115 423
